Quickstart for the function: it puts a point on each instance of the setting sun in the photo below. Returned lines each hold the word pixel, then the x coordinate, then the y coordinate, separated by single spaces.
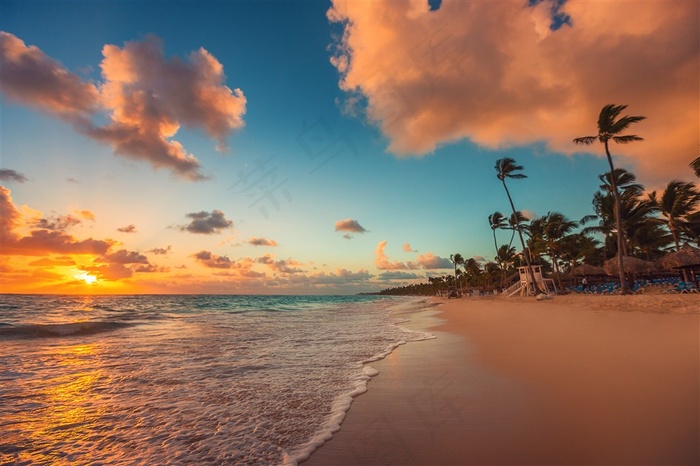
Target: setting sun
pixel 87 278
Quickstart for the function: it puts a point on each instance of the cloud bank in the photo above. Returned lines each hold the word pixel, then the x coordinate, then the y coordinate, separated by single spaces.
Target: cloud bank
pixel 497 74
pixel 145 97
pixel 47 236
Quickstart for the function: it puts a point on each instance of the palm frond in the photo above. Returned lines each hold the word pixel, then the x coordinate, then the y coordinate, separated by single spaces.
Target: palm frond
pixel 587 218
pixel 497 220
pixel 695 165
pixel 607 116
pixel 585 140
pixel 506 168
pixel 624 122
pixel 626 139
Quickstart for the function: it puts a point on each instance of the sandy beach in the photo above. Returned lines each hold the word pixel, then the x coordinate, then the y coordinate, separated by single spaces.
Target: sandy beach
pixel 578 379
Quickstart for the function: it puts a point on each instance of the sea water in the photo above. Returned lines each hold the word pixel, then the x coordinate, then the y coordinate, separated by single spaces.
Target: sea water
pixel 185 379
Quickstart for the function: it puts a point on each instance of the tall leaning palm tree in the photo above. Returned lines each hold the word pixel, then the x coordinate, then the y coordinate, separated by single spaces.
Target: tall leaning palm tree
pixel 610 127
pixel 507 168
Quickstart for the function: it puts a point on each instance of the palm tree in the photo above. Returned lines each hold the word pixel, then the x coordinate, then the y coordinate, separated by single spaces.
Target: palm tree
pixel 637 216
pixel 507 168
pixel 497 221
pixel 456 259
pixel 516 221
pixel 610 127
pixel 624 180
pixel 505 257
pixel 578 248
pixel 473 271
pixel 678 201
pixel 555 227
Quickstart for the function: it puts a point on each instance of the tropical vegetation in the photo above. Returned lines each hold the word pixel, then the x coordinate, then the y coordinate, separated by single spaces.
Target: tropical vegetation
pixel 626 222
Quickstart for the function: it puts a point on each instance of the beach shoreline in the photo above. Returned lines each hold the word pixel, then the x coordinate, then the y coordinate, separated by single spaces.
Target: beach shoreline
pixel 578 379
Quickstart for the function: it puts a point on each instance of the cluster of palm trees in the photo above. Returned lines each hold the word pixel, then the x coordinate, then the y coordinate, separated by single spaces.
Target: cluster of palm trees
pixel 627 222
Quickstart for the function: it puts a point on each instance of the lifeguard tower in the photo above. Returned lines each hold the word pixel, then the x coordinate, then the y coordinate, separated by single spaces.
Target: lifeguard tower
pixel 526 287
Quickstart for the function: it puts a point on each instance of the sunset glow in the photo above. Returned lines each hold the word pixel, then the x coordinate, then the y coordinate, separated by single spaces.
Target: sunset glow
pixel 87 278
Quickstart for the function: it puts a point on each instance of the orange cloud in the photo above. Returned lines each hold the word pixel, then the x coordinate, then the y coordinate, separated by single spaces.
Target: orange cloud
pixel 262 242
pixel 283 266
pixel 382 262
pixel 207 259
pixel 125 257
pixel 46 262
pixel 9 216
pixel 349 225
pixel 32 78
pixel 160 251
pixel 497 74
pixel 430 261
pixel 128 229
pixel 49 238
pixel 146 98
pixel 242 268
pixel 86 214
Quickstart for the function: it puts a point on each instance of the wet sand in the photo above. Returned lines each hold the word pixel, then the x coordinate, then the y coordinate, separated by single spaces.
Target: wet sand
pixel 580 380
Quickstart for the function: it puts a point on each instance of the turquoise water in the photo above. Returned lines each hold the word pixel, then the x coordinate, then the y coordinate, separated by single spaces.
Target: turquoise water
pixel 191 379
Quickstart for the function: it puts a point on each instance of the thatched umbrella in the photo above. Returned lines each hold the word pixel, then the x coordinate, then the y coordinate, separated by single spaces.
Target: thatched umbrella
pixel 687 257
pixel 588 269
pixel 630 264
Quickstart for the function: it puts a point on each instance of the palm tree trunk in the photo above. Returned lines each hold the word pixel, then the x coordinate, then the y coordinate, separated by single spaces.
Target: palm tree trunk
pixel 618 221
pixel 522 242
pixel 498 260
pixel 674 234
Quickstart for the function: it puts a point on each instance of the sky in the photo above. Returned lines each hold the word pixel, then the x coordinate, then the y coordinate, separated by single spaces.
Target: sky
pixel 320 147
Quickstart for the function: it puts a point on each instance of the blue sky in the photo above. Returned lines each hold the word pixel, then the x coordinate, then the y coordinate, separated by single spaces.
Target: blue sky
pixel 319 162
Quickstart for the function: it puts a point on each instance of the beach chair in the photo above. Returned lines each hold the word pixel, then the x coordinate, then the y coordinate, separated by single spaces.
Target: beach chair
pixel 681 287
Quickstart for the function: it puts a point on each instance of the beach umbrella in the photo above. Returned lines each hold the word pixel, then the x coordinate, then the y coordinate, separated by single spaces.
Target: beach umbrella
pixel 630 264
pixel 588 269
pixel 686 257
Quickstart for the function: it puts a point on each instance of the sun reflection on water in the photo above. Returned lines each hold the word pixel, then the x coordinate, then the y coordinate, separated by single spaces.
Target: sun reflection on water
pixel 60 409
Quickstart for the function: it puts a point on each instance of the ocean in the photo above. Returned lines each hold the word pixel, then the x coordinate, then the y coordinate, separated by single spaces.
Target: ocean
pixel 186 379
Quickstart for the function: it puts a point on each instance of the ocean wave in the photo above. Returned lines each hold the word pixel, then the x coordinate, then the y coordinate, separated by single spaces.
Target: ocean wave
pixel 60 330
